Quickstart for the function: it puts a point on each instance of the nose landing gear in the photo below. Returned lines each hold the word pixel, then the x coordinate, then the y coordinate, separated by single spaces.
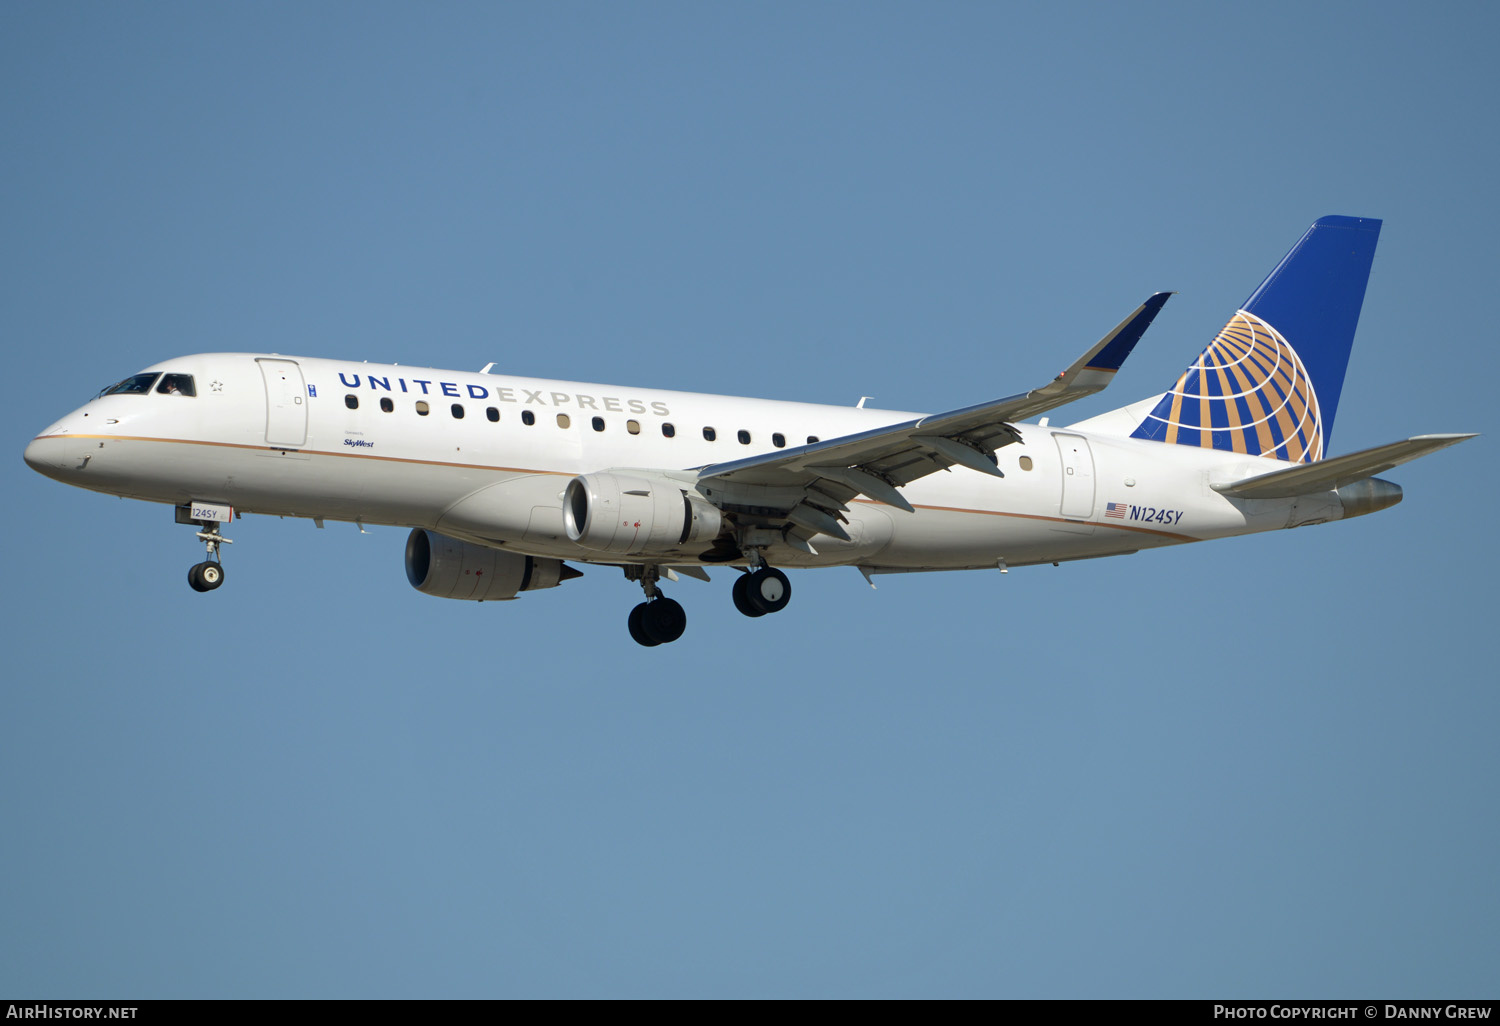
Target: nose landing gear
pixel 209 574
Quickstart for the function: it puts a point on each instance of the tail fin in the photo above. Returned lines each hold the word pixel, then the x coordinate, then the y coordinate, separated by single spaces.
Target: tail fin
pixel 1269 383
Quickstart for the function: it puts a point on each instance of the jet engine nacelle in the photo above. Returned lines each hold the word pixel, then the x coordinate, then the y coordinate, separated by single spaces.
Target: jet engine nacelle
pixel 630 514
pixel 449 568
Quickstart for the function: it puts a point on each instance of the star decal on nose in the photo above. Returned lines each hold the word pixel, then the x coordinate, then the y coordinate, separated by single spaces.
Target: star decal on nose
pixel 216 386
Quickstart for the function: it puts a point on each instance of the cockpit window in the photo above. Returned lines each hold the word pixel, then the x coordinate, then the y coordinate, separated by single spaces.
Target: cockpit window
pixel 136 384
pixel 176 384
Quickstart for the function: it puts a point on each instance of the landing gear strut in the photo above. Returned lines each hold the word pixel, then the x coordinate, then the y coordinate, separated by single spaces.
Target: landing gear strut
pixel 658 620
pixel 209 574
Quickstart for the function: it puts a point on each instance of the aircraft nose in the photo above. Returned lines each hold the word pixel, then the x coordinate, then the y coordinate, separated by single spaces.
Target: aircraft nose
pixel 37 453
pixel 50 455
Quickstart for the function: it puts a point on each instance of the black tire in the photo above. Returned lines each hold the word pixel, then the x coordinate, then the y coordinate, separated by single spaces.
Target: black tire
pixel 211 574
pixel 664 620
pixel 769 590
pixel 638 628
pixel 195 577
pixel 742 599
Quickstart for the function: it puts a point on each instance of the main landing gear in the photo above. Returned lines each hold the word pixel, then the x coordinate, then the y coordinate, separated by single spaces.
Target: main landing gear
pixel 762 591
pixel 659 620
pixel 209 574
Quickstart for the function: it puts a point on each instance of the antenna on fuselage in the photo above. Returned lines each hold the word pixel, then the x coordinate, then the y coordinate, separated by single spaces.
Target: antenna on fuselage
pixel 486 368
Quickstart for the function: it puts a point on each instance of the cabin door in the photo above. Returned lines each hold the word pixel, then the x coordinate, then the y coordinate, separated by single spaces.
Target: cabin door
pixel 286 403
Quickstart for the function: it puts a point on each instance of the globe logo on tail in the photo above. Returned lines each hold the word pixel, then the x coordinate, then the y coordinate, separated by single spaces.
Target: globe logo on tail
pixel 1248 392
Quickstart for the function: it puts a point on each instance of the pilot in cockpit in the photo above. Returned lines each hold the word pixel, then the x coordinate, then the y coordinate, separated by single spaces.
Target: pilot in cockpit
pixel 176 384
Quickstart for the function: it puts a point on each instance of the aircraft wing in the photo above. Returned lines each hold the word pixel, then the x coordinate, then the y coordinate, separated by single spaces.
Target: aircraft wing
pixel 878 462
pixel 1332 473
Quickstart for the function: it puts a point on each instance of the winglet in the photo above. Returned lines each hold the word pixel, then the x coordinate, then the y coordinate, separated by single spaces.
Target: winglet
pixel 1113 348
pixel 1096 368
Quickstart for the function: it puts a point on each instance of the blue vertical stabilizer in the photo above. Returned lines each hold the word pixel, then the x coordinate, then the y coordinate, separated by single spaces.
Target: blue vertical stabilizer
pixel 1269 383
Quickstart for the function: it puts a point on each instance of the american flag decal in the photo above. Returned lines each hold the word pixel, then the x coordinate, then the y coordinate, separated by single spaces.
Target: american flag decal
pixel 1116 510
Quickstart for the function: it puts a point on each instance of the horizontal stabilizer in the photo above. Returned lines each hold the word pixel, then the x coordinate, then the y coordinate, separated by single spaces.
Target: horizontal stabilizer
pixel 1325 475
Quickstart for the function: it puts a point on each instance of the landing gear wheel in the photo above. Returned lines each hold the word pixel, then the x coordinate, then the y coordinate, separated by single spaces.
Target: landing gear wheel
pixel 664 620
pixel 768 590
pixel 742 600
pixel 658 622
pixel 206 576
pixel 638 629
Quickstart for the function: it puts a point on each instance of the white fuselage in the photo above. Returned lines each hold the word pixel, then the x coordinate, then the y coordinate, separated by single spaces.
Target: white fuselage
pixel 280 435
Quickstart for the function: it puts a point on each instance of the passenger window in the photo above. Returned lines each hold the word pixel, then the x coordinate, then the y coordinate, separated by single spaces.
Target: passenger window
pixel 744 437
pixel 667 430
pixel 812 439
pixel 1025 462
pixel 779 440
pixel 386 406
pixel 563 420
pixel 528 418
pixel 176 384
pixel 422 407
pixel 493 414
pixel 598 423
pixel 136 384
pixel 710 434
pixel 633 426
pixel 351 401
pixel 458 411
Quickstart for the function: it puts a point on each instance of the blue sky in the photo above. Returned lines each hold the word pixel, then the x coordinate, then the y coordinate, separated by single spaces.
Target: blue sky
pixel 1263 767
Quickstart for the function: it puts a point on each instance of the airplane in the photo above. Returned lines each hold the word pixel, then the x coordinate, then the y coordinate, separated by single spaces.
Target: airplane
pixel 506 481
